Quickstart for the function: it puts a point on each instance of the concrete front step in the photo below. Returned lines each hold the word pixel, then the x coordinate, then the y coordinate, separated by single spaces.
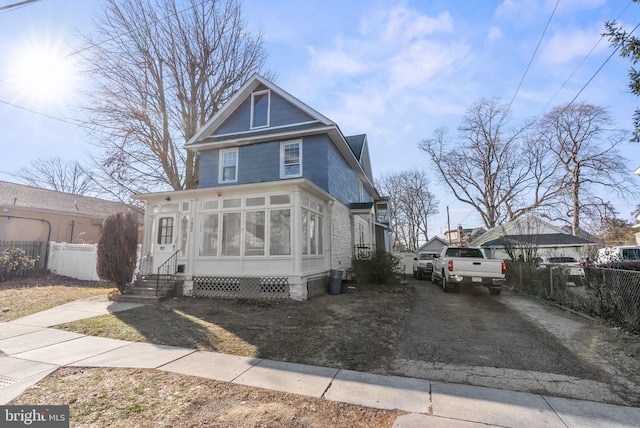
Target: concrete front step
pixel 144 291
pixel 130 298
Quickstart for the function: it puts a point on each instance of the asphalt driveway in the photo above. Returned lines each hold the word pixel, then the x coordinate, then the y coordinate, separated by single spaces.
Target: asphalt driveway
pixel 510 341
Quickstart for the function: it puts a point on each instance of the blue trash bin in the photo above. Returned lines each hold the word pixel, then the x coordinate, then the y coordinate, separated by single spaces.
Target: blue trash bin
pixel 335 281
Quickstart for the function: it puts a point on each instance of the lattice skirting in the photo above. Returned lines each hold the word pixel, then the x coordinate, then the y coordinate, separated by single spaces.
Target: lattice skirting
pixel 241 287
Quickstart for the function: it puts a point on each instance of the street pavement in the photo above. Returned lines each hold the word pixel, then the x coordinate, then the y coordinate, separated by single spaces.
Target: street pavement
pixel 34 350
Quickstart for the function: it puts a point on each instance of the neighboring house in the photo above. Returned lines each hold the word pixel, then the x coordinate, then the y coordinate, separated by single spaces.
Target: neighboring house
pixel 462 236
pixel 433 245
pixel 34 214
pixel 530 236
pixel 284 197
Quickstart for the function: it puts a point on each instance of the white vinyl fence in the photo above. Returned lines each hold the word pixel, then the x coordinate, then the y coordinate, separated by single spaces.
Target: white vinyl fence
pixel 74 260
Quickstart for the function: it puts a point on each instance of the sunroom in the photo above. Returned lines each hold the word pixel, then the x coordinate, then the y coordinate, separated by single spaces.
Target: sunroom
pixel 248 241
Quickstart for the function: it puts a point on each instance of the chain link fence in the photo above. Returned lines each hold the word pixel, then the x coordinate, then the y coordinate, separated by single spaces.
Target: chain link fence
pixel 611 294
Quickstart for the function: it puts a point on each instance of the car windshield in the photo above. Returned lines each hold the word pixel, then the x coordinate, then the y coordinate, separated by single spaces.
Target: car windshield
pixel 427 256
pixel 631 254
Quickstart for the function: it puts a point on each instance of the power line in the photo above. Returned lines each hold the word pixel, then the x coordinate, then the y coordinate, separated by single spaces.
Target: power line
pixel 39 113
pixel 534 53
pixel 76 52
pixel 19 4
pixel 584 60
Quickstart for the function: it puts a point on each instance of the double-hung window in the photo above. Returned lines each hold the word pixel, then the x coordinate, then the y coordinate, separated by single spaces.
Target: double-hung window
pixel 291 159
pixel 228 166
pixel 260 106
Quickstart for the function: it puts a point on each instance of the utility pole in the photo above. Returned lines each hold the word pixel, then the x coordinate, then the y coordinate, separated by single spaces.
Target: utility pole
pixel 448 226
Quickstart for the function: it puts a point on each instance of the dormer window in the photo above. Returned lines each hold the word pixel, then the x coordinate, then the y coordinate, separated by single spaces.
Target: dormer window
pixel 260 109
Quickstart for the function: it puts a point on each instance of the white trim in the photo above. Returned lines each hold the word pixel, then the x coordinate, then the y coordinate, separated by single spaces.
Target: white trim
pixel 221 166
pixel 252 131
pixel 253 94
pixel 282 166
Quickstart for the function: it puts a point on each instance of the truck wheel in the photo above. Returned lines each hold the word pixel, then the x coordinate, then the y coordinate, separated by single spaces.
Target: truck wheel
pixel 445 284
pixel 495 291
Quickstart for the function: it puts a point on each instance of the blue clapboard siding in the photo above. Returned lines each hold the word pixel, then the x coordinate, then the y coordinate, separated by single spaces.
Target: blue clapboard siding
pixel 256 163
pixel 322 164
pixel 282 113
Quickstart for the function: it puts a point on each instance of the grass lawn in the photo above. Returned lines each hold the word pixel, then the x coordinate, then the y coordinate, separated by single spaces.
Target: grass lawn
pixel 22 297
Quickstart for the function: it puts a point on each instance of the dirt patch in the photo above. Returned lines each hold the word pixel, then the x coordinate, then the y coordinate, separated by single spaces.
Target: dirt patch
pixel 149 398
pixel 355 330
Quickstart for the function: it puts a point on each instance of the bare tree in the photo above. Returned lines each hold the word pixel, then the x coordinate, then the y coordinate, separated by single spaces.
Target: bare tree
pixel 495 168
pixel 584 143
pixel 413 205
pixel 162 69
pixel 58 174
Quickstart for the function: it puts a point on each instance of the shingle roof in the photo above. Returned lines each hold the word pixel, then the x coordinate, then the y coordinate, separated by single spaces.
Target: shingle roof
pixel 20 195
pixel 543 239
pixel 355 143
pixel 360 205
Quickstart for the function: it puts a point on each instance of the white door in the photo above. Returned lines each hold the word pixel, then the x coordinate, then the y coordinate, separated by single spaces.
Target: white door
pixel 164 244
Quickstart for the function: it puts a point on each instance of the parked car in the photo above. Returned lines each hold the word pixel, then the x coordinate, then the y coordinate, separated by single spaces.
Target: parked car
pixel 618 254
pixel 467 265
pixel 571 267
pixel 423 264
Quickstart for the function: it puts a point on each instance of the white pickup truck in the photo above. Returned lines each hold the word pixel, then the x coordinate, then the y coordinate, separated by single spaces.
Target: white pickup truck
pixel 467 265
pixel 423 264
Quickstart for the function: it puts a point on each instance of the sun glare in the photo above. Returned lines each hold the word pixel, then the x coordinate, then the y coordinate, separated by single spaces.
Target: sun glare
pixel 43 73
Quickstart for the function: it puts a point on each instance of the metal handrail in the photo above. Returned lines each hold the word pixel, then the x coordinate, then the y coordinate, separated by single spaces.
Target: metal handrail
pixel 167 271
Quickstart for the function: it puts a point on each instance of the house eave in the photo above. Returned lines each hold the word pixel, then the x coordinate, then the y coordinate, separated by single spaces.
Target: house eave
pixel 222 191
pixel 235 140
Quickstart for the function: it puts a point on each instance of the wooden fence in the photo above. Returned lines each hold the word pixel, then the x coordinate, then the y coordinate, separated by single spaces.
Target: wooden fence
pixel 34 250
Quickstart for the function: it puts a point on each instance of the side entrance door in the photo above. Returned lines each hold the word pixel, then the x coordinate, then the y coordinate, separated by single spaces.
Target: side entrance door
pixel 164 244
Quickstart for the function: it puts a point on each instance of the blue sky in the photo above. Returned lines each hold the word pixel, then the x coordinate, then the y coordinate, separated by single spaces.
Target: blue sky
pixel 395 70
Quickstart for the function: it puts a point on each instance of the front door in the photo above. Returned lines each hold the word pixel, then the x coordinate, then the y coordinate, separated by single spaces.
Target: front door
pixel 164 245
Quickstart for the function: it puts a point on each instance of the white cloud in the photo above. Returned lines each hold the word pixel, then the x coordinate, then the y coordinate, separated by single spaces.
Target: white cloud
pixel 565 46
pixel 495 33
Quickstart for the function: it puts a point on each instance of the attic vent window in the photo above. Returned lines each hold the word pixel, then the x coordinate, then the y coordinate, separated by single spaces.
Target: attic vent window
pixel 260 106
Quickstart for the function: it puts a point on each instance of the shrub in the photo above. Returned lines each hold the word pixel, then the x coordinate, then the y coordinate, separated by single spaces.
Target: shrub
pixel 13 261
pixel 117 249
pixel 379 270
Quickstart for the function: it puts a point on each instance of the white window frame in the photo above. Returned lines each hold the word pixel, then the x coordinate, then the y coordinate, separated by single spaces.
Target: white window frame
pixel 253 103
pixel 221 167
pixel 282 166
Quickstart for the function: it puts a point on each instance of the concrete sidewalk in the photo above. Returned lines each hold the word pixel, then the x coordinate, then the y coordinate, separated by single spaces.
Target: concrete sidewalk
pixel 34 351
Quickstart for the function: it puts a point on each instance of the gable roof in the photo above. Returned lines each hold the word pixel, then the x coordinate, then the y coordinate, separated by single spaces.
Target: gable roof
pixel 201 137
pixel 528 229
pixel 23 196
pixel 544 239
pixel 205 139
pixel 430 243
